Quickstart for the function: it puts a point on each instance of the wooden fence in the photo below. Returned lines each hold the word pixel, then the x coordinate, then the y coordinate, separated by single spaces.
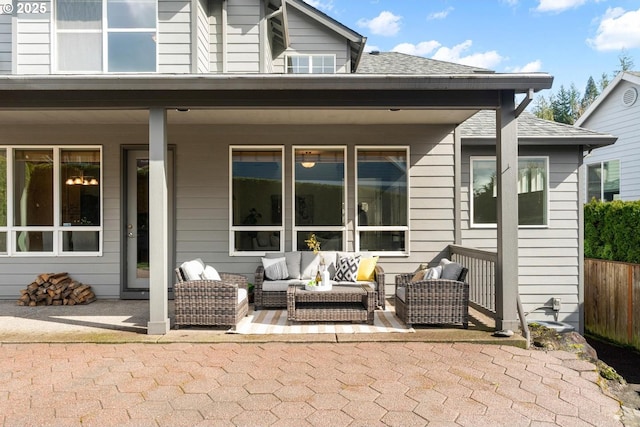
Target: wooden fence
pixel 612 300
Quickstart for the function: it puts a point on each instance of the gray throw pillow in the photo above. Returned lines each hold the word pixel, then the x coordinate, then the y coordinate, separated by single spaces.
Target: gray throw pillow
pixel 292 259
pixel 275 268
pixel 450 270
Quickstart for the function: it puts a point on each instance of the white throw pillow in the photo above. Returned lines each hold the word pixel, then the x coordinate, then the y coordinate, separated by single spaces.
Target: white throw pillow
pixel 210 273
pixel 193 269
pixel 275 268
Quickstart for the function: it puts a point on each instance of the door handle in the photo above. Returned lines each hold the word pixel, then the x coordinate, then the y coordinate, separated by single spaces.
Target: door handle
pixel 131 235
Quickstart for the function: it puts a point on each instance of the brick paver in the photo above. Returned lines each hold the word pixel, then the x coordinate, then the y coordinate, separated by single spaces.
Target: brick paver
pixel 280 384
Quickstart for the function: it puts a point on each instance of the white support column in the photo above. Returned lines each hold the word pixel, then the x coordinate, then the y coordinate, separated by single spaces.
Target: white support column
pixel 507 179
pixel 158 224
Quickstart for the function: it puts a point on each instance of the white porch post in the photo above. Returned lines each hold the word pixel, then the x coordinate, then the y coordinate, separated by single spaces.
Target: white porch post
pixel 507 179
pixel 158 224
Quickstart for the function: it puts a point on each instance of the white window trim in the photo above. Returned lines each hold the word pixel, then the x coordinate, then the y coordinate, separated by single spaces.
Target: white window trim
pixel 547 190
pixel 311 228
pixel 234 228
pixel 311 56
pixel 405 229
pixel 104 31
pixel 57 229
pixel 601 163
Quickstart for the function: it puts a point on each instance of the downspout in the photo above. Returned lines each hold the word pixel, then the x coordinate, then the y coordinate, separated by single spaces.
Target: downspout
pixel 457 186
pixel 262 48
pixel 581 201
pixel 194 36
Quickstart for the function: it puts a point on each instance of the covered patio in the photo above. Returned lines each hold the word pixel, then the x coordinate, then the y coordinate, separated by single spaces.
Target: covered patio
pixel 160 102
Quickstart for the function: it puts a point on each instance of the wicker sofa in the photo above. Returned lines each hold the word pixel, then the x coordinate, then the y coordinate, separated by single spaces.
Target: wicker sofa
pixel 207 302
pixel 303 267
pixel 436 301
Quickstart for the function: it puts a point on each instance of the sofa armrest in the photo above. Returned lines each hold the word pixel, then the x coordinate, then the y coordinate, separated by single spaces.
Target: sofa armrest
pixel 236 279
pixel 258 278
pixel 403 279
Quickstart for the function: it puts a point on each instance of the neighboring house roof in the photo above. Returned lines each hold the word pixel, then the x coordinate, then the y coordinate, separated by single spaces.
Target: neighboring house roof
pixel 481 128
pixel 629 76
pixel 399 63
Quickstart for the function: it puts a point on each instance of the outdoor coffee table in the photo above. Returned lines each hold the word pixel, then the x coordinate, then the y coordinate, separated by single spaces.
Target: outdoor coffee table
pixel 342 303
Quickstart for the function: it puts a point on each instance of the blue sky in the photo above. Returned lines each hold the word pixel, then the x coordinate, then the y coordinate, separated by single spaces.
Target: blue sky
pixel 569 39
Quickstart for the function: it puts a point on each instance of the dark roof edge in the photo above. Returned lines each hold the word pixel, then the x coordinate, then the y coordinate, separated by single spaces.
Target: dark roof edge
pixel 593 141
pixel 517 82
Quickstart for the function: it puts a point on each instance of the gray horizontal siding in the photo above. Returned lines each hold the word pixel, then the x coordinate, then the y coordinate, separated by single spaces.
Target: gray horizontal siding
pixel 243 36
pixel 174 36
pixel 548 258
pixel 310 37
pixel 6 49
pixel 202 189
pixel 624 122
pixel 33 43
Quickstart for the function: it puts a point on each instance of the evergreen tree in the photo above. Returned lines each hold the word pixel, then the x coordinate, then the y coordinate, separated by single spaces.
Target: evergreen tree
pixel 591 92
pixel 566 105
pixel 604 81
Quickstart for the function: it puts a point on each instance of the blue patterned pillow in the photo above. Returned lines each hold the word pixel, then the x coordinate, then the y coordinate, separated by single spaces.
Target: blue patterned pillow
pixel 347 270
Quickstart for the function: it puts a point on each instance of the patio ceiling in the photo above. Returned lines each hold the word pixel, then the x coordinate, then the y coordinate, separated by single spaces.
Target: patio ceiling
pixel 237 116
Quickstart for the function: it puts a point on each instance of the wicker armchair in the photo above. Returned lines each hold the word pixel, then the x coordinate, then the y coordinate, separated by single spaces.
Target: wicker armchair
pixel 210 302
pixel 432 301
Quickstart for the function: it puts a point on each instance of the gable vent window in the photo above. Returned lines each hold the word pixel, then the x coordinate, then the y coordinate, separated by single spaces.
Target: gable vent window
pixel 629 97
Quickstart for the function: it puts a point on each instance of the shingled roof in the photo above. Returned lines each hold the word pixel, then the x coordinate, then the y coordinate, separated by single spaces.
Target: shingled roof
pixel 400 63
pixel 532 129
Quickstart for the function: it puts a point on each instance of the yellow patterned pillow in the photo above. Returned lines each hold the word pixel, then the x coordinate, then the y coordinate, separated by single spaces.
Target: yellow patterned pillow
pixel 367 268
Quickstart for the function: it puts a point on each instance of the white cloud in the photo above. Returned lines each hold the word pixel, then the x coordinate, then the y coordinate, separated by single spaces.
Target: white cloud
pixel 440 15
pixel 531 67
pixel 385 24
pixel 371 48
pixel 420 49
pixel 558 5
pixel 321 4
pixel 618 30
pixel 455 54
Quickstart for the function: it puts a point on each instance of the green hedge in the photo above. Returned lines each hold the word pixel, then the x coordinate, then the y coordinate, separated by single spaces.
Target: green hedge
pixel 612 231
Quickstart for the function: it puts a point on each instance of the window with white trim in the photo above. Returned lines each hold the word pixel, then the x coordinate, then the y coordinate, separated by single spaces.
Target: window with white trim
pixel 106 35
pixel 603 181
pixel 257 219
pixel 533 191
pixel 311 64
pixel 51 200
pixel 382 183
pixel 319 197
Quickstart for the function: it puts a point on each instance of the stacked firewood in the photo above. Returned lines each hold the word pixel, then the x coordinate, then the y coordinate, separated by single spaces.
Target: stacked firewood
pixel 56 289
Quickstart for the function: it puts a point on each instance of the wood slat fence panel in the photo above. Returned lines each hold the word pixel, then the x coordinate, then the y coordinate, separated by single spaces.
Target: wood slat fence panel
pixel 612 300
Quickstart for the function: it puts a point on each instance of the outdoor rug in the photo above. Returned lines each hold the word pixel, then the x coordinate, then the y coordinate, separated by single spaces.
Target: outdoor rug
pixel 275 322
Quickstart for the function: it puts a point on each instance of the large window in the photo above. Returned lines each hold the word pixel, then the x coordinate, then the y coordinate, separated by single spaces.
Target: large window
pixel 319 197
pixel 532 191
pixel 54 197
pixel 603 181
pixel 106 35
pixel 311 64
pixel 382 221
pixel 256 208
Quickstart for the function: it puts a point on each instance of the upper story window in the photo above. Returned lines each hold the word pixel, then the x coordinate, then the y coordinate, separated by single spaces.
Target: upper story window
pixel 311 64
pixel 603 181
pixel 106 35
pixel 532 191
